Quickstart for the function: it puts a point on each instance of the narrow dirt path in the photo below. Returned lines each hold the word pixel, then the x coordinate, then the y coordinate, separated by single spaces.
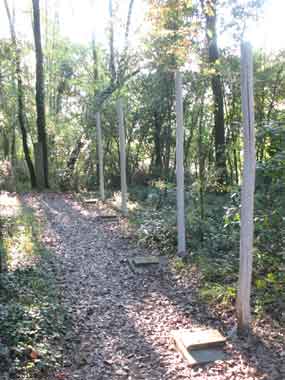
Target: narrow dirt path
pixel 122 321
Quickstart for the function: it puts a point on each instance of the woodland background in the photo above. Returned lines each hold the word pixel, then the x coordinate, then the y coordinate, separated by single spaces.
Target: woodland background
pixel 76 80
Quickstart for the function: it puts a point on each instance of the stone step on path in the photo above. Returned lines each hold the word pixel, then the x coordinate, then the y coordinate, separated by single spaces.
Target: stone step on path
pixel 199 347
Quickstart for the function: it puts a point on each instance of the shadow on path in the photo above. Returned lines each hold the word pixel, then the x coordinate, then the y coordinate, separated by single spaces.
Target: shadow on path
pixel 122 321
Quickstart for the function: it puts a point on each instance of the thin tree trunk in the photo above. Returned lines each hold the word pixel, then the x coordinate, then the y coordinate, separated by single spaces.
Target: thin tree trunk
pixel 95 79
pixel 70 165
pixel 247 194
pixel 6 145
pixel 236 166
pixel 277 83
pixel 128 23
pixel 168 132
pixel 40 93
pixel 180 167
pixel 20 99
pixel 122 140
pixel 13 144
pixel 100 156
pixel 111 42
pixel 201 169
pixel 157 145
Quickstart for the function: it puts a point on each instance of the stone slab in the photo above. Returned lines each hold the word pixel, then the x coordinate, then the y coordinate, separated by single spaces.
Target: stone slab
pixel 194 340
pixel 139 263
pixel 206 356
pixel 204 347
pixel 108 217
pixel 135 268
pixel 90 201
pixel 146 260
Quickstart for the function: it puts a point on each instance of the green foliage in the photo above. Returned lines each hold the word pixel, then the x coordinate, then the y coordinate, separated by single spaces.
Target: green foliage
pixel 155 232
pixel 213 243
pixel 32 320
pixel 179 265
pixel 216 292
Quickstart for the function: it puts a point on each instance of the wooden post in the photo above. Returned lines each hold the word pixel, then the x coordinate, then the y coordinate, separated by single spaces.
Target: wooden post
pixel 247 192
pixel 122 141
pixel 179 166
pixel 100 156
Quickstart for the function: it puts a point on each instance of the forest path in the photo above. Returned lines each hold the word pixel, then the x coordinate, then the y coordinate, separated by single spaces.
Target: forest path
pixel 121 321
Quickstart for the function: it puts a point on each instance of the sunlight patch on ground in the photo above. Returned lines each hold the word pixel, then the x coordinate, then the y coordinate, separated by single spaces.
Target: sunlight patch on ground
pixel 9 204
pixel 117 202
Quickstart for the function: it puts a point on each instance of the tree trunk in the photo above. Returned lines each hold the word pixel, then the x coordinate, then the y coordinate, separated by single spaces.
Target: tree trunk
pixel 128 23
pixel 157 145
pixel 6 145
pixel 65 182
pixel 100 155
pixel 40 93
pixel 181 249
pixel 13 144
pixel 20 99
pixel 95 79
pixel 201 159
pixel 111 42
pixel 209 9
pixel 122 140
pixel 247 194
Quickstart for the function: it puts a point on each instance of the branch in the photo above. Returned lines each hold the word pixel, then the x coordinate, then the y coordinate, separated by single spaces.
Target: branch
pixel 113 86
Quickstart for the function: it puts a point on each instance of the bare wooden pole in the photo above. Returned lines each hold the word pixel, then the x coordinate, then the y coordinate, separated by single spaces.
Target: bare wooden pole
pixel 100 156
pixel 122 140
pixel 180 166
pixel 247 192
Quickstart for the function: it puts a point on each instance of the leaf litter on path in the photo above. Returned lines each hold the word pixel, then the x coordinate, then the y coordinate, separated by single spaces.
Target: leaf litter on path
pixel 122 321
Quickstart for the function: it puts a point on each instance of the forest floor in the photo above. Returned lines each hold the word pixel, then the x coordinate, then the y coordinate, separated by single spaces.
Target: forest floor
pixel 118 322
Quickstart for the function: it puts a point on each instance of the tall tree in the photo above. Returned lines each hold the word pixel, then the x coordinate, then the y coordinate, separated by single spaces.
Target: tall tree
pixel 20 97
pixel 209 8
pixel 120 73
pixel 40 93
pixel 111 43
pixel 181 249
pixel 95 78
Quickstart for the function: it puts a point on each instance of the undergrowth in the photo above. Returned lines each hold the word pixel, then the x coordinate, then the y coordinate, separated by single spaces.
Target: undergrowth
pixel 213 243
pixel 32 322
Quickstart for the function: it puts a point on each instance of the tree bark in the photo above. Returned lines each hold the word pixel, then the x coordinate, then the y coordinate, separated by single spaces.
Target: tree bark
pixel 40 93
pixel 157 145
pixel 100 155
pixel 94 108
pixel 181 249
pixel 65 182
pixel 20 99
pixel 122 140
pixel 210 12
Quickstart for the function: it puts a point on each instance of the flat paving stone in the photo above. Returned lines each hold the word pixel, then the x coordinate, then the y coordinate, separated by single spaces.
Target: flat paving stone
pixel 146 260
pixel 194 340
pixel 91 200
pixel 199 347
pixel 139 263
pixel 108 217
